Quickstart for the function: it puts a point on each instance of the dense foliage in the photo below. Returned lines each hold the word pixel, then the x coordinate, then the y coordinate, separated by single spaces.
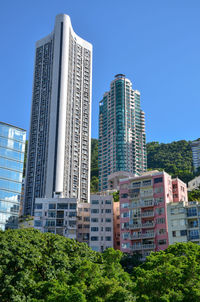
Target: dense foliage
pixel 175 158
pixel 47 267
pixel 194 195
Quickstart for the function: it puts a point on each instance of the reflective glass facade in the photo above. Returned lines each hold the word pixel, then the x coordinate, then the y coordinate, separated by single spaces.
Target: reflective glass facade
pixel 12 147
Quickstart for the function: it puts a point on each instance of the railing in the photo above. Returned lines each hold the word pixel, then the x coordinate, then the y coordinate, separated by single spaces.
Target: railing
pixel 147 203
pixel 148 225
pixel 143 236
pixel 135 225
pixel 139 247
pixel 148 214
pixel 148 235
pixel 143 204
pixel 148 246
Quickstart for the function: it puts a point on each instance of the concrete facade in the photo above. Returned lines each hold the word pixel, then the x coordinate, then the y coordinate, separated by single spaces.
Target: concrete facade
pixel 56 215
pixel 101 222
pixel 59 140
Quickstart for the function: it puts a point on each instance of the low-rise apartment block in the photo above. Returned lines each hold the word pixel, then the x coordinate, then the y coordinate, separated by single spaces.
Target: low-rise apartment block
pixel 184 222
pixel 101 222
pixel 143 208
pixel 56 215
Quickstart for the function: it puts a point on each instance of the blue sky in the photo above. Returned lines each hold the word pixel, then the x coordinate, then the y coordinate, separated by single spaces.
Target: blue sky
pixel 155 43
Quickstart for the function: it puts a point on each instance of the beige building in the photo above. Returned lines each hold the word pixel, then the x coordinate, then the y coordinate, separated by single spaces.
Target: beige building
pixel 101 222
pixel 194 183
pixel 83 222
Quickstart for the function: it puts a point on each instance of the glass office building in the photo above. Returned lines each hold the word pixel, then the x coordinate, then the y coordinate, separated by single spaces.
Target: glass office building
pixel 12 147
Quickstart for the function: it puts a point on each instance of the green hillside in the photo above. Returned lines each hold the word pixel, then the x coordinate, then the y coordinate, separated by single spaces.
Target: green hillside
pixel 175 158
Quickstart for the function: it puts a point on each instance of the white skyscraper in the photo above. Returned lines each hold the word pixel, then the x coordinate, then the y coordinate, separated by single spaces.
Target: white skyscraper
pixel 59 140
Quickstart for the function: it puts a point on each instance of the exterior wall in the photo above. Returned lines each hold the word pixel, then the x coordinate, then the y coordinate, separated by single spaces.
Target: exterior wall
pixel 177 222
pixel 116 225
pixel 122 142
pixel 194 183
pixel 196 154
pixel 179 190
pixel 114 179
pixel 83 222
pixel 101 222
pixel 59 143
pixel 143 210
pixel 12 147
pixel 56 215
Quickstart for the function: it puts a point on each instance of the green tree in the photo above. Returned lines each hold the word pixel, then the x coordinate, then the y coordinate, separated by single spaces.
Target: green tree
pixel 170 276
pixel 194 195
pixel 42 267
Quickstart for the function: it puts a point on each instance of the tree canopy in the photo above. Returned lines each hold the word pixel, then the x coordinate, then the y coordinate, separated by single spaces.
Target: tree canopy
pixel 37 266
pixel 43 267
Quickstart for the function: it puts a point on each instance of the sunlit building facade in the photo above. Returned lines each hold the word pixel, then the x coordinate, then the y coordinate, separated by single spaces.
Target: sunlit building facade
pixel 12 147
pixel 59 144
pixel 122 141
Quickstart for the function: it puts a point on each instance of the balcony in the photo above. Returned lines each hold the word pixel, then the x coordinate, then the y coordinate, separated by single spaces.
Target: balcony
pixel 139 247
pixel 148 224
pixel 143 236
pixel 148 246
pixel 147 204
pixel 134 226
pixel 148 214
pixel 148 235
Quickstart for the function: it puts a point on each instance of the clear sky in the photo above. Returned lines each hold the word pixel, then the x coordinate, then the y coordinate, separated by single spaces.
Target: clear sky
pixel 155 43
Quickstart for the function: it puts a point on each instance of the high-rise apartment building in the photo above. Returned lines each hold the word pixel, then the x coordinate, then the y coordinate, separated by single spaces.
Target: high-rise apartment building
pixel 12 147
pixel 59 140
pixel 196 154
pixel 122 142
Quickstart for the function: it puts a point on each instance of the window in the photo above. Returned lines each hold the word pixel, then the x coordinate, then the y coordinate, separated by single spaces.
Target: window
pixel 162 242
pixel 161 231
pixel 108 238
pixel 125 195
pixel 94 229
pixel 52 214
pixel 160 211
pixel 62 206
pixel 52 206
pixel 94 220
pixel 108 220
pixel 183 232
pixel 158 190
pixel 38 214
pixel 108 211
pixel 86 219
pixel 125 214
pixel 38 206
pixel 124 205
pixel 86 210
pixel 95 202
pixel 108 229
pixel 160 220
pixel 94 238
pixel 72 206
pixel 174 233
pixel 158 180
pixel 37 223
pixel 108 202
pixel 95 211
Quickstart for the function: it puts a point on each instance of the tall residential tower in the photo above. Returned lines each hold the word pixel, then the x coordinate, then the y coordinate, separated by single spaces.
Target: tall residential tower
pixel 59 140
pixel 122 142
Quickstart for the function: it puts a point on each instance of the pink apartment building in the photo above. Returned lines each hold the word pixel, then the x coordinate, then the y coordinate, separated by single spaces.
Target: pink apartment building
pixel 143 211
